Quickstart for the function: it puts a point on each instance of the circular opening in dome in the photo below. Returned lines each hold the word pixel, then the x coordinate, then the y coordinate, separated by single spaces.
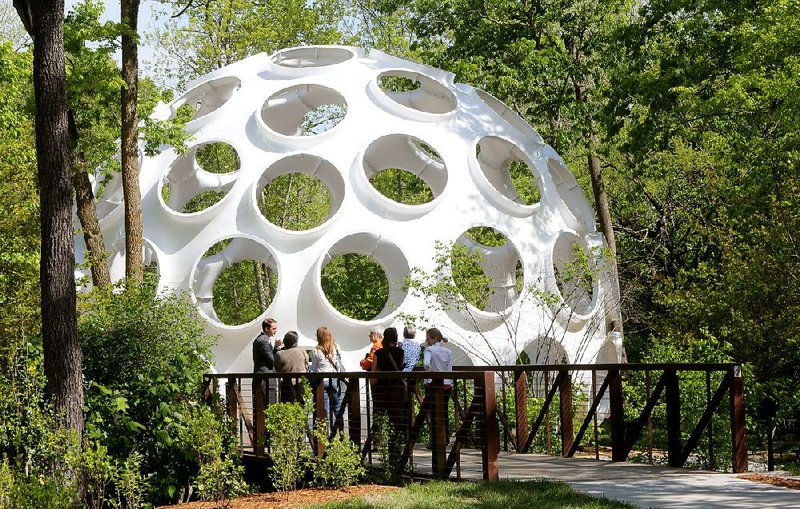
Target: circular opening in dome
pixel 363 275
pixel 217 157
pixel 487 270
pixel 200 179
pixel 311 57
pixel 574 272
pixel 235 281
pixel 356 286
pixel 405 169
pixel 304 110
pixel 509 170
pixel 417 91
pixel 300 192
pixel 509 115
pixel 205 98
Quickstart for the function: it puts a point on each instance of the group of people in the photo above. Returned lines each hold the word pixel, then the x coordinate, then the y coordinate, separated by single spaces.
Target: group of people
pixel 387 353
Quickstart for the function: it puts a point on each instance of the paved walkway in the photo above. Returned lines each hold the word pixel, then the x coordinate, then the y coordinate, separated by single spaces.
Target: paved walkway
pixel 641 485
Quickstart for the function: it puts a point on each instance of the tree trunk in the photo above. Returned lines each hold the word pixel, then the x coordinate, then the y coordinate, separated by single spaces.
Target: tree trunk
pixel 92 235
pixel 262 301
pixel 62 353
pixel 134 242
pixel 606 226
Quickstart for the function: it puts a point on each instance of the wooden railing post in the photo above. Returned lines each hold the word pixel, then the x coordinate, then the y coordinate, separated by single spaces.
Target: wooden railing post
pixel 354 411
pixel 231 401
pixel 490 439
pixel 259 420
pixel 320 416
pixel 618 449
pixel 565 397
pixel 673 399
pixel 521 405
pixel 438 429
pixel 738 426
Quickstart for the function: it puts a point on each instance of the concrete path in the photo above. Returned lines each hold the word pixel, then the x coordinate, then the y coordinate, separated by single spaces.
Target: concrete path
pixel 644 486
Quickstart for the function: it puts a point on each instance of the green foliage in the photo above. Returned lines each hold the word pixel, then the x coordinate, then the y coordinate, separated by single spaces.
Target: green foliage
pixel 489 495
pixel 217 157
pixel 144 357
pixel 402 186
pixel 236 292
pixel 295 201
pixel 286 425
pixel 355 285
pixel 341 465
pixel 209 36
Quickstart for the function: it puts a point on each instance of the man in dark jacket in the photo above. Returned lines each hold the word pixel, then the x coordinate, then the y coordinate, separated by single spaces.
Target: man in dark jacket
pixel 264 348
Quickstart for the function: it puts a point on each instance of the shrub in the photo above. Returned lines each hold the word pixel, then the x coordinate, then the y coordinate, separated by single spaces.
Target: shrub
pixel 286 426
pixel 341 464
pixel 144 357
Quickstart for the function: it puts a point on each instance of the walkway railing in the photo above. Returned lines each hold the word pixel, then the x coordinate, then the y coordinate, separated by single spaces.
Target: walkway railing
pixel 483 413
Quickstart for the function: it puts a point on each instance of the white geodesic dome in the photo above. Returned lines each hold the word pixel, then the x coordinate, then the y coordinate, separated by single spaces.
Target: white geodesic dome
pixel 257 105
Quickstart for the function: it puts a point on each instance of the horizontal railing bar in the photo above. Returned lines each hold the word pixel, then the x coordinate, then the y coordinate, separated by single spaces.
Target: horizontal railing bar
pixel 412 375
pixel 603 367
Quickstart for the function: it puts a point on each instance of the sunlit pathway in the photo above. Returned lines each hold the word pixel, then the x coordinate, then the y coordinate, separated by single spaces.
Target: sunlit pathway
pixel 642 485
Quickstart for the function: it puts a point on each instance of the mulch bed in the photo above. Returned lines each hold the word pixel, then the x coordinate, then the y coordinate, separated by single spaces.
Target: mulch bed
pixel 773 480
pixel 293 499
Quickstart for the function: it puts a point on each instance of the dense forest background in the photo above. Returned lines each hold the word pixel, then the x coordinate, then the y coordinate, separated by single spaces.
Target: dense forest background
pixel 692 109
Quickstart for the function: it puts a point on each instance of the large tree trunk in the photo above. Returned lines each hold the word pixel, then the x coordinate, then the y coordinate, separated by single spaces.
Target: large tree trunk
pixel 134 242
pixel 92 235
pixel 62 353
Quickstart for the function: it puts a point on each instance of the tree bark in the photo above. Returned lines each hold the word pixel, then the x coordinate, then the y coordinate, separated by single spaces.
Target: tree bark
pixel 134 241
pixel 262 301
pixel 92 235
pixel 62 353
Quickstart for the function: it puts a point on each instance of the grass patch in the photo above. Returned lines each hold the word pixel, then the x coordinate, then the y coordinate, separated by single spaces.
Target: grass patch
pixel 483 495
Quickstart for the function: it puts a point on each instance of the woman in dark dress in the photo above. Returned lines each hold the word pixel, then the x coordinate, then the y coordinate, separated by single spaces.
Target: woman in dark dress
pixel 390 394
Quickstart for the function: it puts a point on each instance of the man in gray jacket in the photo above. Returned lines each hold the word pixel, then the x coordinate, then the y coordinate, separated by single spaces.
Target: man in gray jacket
pixel 264 348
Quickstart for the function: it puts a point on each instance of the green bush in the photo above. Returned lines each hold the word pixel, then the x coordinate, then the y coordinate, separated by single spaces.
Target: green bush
pixel 286 425
pixel 144 357
pixel 341 464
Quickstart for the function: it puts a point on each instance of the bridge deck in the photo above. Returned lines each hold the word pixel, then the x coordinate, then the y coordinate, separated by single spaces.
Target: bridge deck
pixel 642 485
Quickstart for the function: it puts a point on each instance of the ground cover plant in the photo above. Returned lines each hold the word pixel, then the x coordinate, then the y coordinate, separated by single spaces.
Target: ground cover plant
pixel 486 495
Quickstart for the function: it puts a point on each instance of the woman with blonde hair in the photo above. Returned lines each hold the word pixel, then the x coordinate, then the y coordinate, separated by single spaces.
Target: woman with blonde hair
pixel 327 358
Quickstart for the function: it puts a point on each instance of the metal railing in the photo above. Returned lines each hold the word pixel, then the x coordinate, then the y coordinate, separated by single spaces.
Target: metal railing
pixel 482 410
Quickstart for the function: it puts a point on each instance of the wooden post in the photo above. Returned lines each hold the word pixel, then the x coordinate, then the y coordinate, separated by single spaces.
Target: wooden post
pixel 231 401
pixel 618 449
pixel 673 398
pixel 738 426
pixel 521 405
pixel 484 387
pixel 259 421
pixel 354 411
pixel 565 397
pixel 320 417
pixel 438 430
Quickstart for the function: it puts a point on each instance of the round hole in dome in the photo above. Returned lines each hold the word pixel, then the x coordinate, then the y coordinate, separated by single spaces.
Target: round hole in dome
pixel 304 110
pixel 217 157
pixel 204 98
pixel 235 281
pixel 509 115
pixel 417 91
pixel 311 56
pixel 486 269
pixel 300 192
pixel 362 276
pixel 574 273
pixel 356 286
pixel 188 189
pixel 508 170
pixel 405 169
